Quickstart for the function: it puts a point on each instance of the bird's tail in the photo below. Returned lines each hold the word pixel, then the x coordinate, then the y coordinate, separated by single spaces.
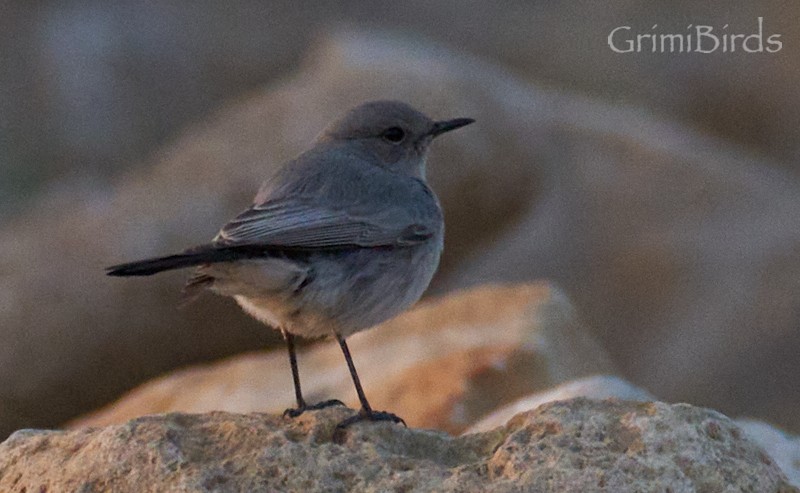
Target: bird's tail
pixel 190 258
pixel 154 265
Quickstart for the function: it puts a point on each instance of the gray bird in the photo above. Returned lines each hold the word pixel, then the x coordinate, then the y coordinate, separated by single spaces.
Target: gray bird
pixel 343 237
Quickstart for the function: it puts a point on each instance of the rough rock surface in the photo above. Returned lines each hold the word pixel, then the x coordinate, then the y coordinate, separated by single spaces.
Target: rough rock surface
pixel 577 445
pixel 441 365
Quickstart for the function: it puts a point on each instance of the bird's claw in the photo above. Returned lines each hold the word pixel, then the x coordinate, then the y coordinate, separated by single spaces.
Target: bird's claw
pixel 370 416
pixel 294 412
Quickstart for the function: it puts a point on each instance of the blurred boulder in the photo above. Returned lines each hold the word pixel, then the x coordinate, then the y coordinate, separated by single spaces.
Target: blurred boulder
pixel 66 324
pixel 90 87
pixel 682 251
pixel 441 365
pixel 76 339
pixel 575 445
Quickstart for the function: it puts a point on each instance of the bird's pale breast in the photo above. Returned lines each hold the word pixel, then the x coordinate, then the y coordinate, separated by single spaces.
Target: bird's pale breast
pixel 346 292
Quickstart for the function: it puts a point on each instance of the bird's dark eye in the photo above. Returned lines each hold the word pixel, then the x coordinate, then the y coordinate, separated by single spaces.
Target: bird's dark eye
pixel 394 134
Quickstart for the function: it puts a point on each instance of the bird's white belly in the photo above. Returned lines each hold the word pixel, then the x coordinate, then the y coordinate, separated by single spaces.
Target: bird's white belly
pixel 259 311
pixel 347 295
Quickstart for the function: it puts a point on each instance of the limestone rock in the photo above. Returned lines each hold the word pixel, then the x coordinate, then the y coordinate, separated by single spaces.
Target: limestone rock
pixel 594 387
pixel 441 365
pixel 577 445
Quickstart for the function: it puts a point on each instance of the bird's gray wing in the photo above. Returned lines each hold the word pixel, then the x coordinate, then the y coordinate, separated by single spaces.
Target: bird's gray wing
pixel 295 223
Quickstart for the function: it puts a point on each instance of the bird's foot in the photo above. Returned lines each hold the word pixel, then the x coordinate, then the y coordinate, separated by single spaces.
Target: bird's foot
pixel 340 433
pixel 297 411
pixel 370 415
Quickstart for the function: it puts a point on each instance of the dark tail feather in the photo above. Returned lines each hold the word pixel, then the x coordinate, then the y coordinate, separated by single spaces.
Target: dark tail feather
pixel 195 256
pixel 155 265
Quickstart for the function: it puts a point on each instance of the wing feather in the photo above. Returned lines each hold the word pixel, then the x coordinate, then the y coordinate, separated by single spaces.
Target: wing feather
pixel 293 223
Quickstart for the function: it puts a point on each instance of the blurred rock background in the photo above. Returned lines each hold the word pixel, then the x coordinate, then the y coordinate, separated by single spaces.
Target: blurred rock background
pixel 92 88
pixel 658 190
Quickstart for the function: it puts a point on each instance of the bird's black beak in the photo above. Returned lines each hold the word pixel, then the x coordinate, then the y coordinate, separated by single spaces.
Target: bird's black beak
pixel 448 125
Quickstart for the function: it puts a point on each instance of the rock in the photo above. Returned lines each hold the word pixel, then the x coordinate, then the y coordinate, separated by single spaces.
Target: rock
pixel 441 365
pixel 594 387
pixel 577 445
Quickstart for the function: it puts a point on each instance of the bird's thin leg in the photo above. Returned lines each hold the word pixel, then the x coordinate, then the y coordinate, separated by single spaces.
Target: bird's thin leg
pixel 362 398
pixel 366 412
pixel 298 393
pixel 301 403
